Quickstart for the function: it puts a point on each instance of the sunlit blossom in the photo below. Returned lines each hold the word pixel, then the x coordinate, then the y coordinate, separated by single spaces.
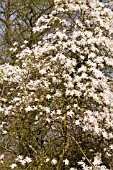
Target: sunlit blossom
pixel 12 166
pixel 54 161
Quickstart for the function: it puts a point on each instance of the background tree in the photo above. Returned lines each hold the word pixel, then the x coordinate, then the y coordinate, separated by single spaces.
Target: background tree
pixel 17 18
pixel 57 105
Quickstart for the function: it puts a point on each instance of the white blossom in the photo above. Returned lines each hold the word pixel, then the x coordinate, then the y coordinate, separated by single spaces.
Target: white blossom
pixel 54 161
pixel 28 160
pixel 12 166
pixel 97 159
pixel 66 161
pixel 47 159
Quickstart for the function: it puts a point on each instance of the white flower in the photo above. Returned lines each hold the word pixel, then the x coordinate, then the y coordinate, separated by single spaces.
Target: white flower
pixel 29 108
pixel 1 156
pixel 84 75
pixel 47 159
pixel 72 168
pixel 11 49
pixel 59 112
pixel 48 120
pixel 25 41
pixel 105 134
pixel 92 55
pixel 66 161
pixel 60 34
pixel 47 109
pixel 43 71
pixel 82 69
pixel 70 85
pixel 1 127
pixel 36 118
pixel 111 147
pixel 15 43
pixel 23 162
pixel 75 105
pixel 12 166
pixel 1 161
pixel 22 46
pixel 28 160
pixel 77 122
pixel 70 113
pixel 54 161
pixel 80 162
pixel 97 159
pixel 20 157
pixel 73 7
pixel 4 132
pixel 103 167
pixel 48 96
pixel 6 112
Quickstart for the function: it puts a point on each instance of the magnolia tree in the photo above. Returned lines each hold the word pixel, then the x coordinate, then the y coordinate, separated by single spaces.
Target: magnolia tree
pixel 56 103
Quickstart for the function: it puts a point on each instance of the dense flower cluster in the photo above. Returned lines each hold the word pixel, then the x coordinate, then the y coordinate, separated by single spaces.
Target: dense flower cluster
pixel 57 106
